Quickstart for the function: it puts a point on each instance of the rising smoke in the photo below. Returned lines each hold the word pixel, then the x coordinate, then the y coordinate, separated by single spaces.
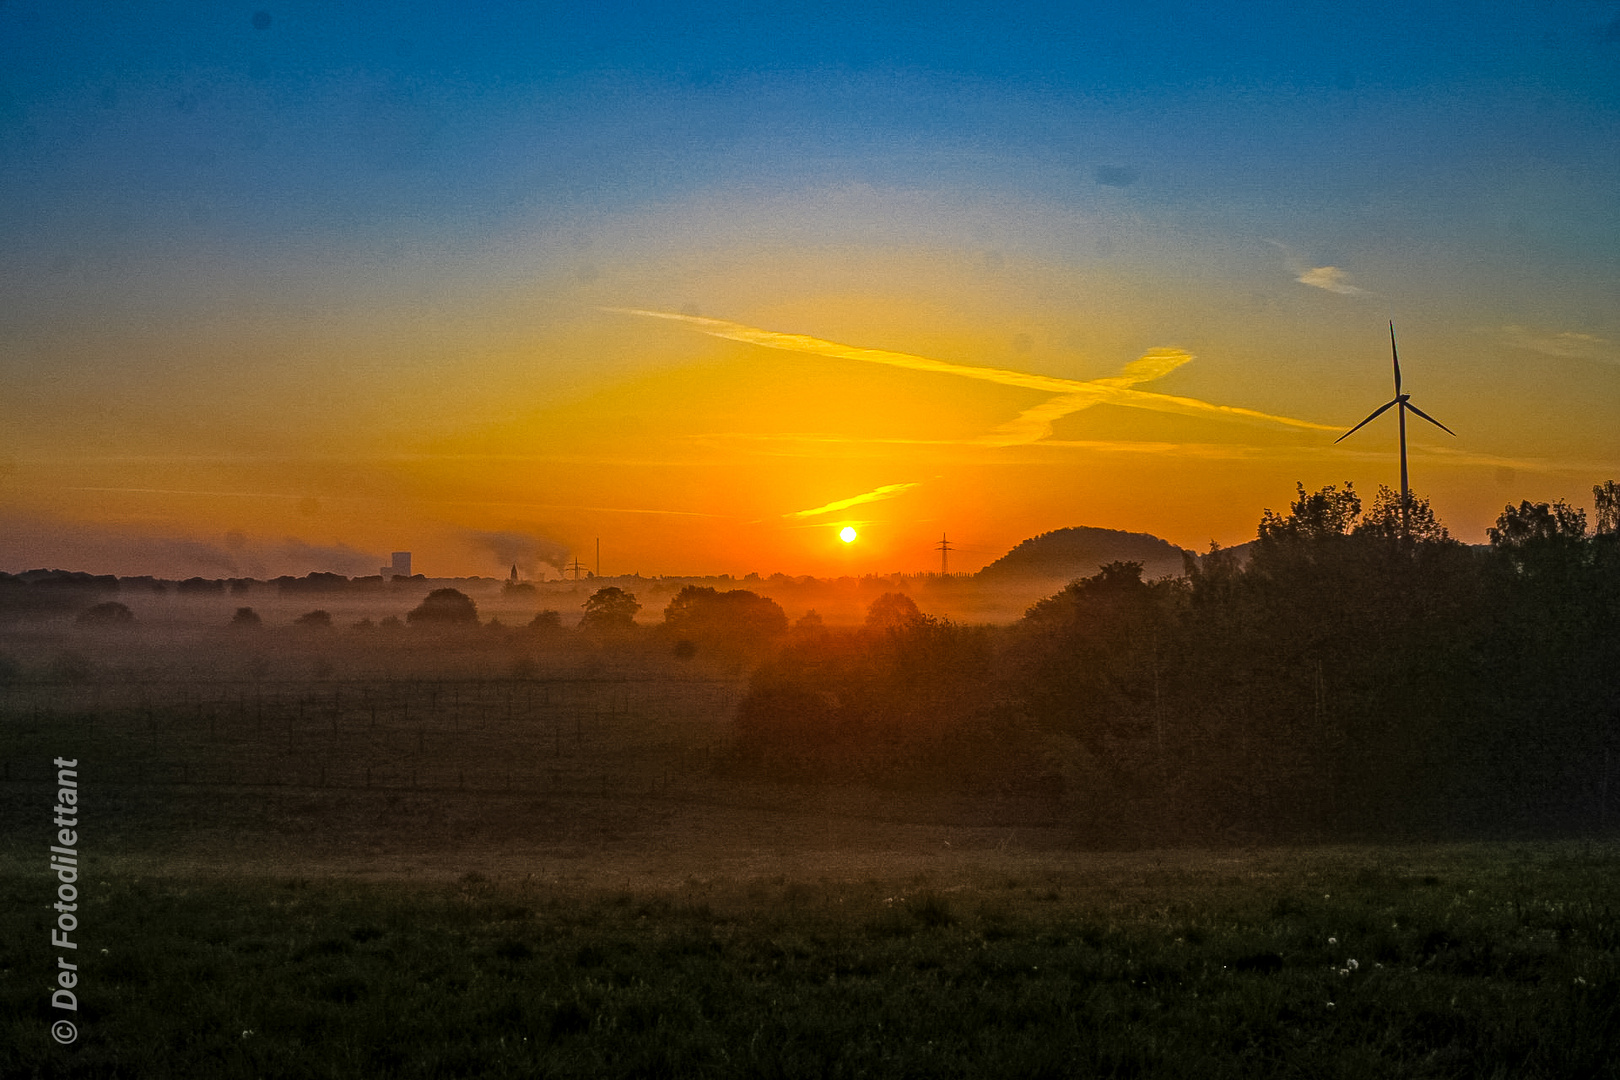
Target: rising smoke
pixel 527 551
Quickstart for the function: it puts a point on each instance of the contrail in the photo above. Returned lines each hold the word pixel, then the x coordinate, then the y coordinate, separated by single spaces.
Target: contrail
pixel 1032 425
pixel 887 491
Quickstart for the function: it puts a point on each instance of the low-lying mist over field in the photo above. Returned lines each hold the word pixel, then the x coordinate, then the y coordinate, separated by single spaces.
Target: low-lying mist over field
pixel 1348 676
pixel 587 783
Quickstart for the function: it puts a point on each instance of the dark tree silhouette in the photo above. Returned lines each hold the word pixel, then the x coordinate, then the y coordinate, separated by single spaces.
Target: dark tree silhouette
pixel 610 608
pixel 1606 506
pixel 1350 680
pixel 737 620
pixel 246 617
pixel 318 620
pixel 1384 519
pixel 1533 529
pixel 1326 513
pixel 445 607
pixel 892 611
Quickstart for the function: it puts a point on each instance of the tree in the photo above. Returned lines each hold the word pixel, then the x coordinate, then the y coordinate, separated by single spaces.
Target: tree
pixel 892 611
pixel 610 608
pixel 314 620
pixel 246 617
pixel 1087 659
pixel 1531 523
pixel 1540 538
pixel 445 607
pixel 1384 519
pixel 810 627
pixel 1325 513
pixel 738 618
pixel 1606 505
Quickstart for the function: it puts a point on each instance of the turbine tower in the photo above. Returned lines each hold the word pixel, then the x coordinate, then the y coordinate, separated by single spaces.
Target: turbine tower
pixel 1405 403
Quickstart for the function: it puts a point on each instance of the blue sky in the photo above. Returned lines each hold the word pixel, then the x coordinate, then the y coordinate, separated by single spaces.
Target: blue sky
pixel 356 120
pixel 218 220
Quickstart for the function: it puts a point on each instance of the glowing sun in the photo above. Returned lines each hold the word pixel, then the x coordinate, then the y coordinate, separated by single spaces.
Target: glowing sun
pixel 847 534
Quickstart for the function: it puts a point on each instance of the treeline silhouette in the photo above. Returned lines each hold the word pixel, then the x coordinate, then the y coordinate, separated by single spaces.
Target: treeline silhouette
pixel 1348 679
pixel 49 592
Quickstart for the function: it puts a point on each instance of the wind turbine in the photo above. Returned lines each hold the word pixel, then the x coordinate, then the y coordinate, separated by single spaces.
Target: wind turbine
pixel 1405 403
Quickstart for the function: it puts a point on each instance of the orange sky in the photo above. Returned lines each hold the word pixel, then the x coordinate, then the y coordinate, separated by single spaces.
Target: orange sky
pixel 287 296
pixel 986 395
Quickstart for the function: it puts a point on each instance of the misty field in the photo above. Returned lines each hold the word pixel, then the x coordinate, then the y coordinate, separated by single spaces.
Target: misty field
pixel 1153 828
pixel 549 870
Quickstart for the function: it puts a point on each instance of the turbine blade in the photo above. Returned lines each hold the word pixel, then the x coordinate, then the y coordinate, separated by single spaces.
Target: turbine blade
pixel 1396 357
pixel 1379 412
pixel 1430 419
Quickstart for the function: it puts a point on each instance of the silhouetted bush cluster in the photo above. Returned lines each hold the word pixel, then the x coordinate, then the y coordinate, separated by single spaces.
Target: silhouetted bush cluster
pixel 1353 678
pixel 908 698
pixel 737 622
pixel 445 607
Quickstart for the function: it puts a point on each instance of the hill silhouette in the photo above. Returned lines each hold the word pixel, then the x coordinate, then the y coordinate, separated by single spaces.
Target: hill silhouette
pixel 1078 551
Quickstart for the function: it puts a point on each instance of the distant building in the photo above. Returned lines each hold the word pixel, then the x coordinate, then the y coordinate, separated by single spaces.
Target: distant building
pixel 399 567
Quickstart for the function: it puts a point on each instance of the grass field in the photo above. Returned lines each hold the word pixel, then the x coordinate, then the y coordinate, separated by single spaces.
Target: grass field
pixel 518 864
pixel 1463 961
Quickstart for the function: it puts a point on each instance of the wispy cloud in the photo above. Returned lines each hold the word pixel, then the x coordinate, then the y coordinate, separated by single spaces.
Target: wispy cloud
pixel 1033 424
pixel 587 509
pixel 803 343
pixel 181 491
pixel 887 491
pixel 1561 343
pixel 821 445
pixel 1330 278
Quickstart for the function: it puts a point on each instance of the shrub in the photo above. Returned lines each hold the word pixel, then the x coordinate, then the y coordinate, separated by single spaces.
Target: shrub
pixel 445 607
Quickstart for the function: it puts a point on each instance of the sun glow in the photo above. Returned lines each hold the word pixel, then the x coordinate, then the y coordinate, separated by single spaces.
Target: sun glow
pixel 847 534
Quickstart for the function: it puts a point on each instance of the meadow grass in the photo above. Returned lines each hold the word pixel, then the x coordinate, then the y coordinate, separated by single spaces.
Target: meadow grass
pixel 1481 961
pixel 290 880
